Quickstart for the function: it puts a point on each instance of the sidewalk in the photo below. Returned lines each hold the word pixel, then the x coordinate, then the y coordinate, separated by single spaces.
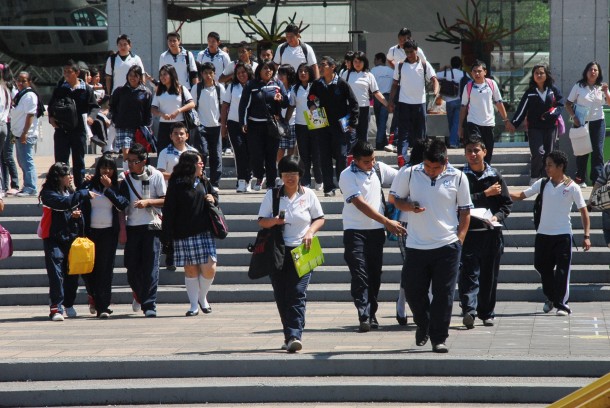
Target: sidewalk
pixel 521 330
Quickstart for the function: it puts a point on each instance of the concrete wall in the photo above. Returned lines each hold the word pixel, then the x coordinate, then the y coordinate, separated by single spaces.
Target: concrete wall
pixel 145 22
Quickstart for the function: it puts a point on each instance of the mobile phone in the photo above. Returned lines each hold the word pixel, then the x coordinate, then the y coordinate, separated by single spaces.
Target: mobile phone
pixel 416 205
pixel 282 214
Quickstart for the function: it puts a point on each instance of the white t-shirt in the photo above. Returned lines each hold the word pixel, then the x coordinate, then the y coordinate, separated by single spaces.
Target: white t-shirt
pixel 230 69
pixel 157 188
pixel 27 105
pixel 209 108
pixel 556 206
pixel 442 198
pixel 361 83
pixel 412 82
pixel 384 77
pixel 298 99
pixel 396 54
pixel 179 63
pixel 5 103
pixel 295 56
pixel 300 211
pixel 221 61
pixel 168 158
pixel 101 211
pixel 591 98
pixel 354 183
pixel 232 96
pixel 121 67
pixel 169 103
pixel 482 100
pixel 458 74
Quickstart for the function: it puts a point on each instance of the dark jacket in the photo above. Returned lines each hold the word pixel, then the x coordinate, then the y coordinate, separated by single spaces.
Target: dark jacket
pixel 337 98
pixel 537 111
pixel 130 108
pixel 84 99
pixel 63 228
pixel 185 209
pixel 118 201
pixel 499 205
pixel 257 99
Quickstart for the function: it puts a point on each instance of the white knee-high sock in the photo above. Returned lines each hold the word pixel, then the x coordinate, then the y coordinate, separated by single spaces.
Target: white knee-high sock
pixel 192 290
pixel 204 288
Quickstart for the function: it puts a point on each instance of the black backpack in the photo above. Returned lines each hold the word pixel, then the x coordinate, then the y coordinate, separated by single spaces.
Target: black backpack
pixel 40 110
pixel 64 112
pixel 538 203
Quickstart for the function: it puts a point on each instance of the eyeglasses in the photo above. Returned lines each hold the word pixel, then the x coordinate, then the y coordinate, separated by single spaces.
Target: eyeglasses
pixel 134 162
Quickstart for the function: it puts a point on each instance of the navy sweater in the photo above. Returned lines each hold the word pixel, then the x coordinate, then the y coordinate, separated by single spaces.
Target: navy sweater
pixel 257 100
pixel 130 107
pixel 537 111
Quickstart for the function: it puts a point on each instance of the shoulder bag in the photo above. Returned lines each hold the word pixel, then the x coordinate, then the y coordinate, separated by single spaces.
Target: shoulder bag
pixel 269 250
pixel 191 118
pixel 275 128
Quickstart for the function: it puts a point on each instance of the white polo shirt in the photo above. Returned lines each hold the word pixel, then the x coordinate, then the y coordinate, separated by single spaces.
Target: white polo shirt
pixel 28 104
pixel 169 103
pixel 232 96
pixel 556 206
pixel 179 63
pixel 482 100
pixel 221 60
pixel 209 109
pixel 298 99
pixel 396 54
pixel 361 83
pixel 412 81
pixel 168 158
pixel 353 183
pixel 300 211
pixel 442 198
pixel 295 56
pixel 592 98
pixel 121 66
pixel 384 77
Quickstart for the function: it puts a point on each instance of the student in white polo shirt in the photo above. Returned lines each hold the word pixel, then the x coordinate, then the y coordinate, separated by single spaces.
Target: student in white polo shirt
pixel 119 63
pixel 363 228
pixel 553 245
pixel 411 76
pixel 215 55
pixel 437 197
pixel 295 52
pixel 397 54
pixel 384 77
pixel 182 60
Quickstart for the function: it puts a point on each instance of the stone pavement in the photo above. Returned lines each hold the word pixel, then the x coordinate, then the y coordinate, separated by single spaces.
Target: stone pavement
pixel 522 330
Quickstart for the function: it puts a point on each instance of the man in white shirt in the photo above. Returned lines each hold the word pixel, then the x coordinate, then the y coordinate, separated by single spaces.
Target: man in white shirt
pixel 437 197
pixel 215 55
pixel 119 63
pixel 363 228
pixel 553 245
pixel 295 52
pixel 410 79
pixel 384 77
pixel 182 60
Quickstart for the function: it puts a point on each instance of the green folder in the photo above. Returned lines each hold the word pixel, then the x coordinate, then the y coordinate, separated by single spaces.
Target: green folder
pixel 306 260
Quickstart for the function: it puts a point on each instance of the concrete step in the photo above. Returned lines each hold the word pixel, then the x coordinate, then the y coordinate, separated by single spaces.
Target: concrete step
pixel 293 388
pixel 261 291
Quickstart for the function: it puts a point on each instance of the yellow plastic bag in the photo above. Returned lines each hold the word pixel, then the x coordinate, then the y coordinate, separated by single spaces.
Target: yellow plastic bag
pixel 81 257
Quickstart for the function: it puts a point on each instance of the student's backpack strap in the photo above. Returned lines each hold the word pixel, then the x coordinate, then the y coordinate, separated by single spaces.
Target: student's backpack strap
pixel 285 45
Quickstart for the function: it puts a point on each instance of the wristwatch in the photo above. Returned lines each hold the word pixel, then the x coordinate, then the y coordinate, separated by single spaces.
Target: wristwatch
pixel 586 236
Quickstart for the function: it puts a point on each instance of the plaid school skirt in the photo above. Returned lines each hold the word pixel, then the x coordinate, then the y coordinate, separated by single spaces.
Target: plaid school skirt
pixel 124 138
pixel 290 140
pixel 194 250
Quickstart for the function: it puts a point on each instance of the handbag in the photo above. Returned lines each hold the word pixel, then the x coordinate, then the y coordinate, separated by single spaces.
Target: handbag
pixel 218 222
pixel 581 142
pixel 600 198
pixel 191 118
pixel 276 129
pixel 268 250
pixel 81 257
pixel 6 243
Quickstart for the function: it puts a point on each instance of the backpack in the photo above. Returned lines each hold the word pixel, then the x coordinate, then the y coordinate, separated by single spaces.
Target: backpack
pixel 112 62
pixel 449 87
pixel 144 136
pixel 6 243
pixel 538 203
pixel 285 45
pixel 64 112
pixel 470 84
pixel 40 109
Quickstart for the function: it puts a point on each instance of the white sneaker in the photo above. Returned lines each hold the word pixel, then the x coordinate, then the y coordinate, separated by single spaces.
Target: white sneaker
pixel 71 312
pixel 104 315
pixel 561 312
pixel 228 151
pixel 319 187
pixel 241 186
pixel 389 148
pixel 582 185
pixel 294 345
pixel 57 317
pixel 150 313
pixel 257 184
pixel 135 306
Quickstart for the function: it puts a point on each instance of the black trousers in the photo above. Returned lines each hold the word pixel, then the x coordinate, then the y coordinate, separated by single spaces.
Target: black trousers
pixel 309 150
pixel 553 261
pixel 99 282
pixel 541 144
pixel 240 150
pixel 333 145
pixel 484 132
pixel 364 257
pixel 75 141
pixel 263 152
pixel 362 129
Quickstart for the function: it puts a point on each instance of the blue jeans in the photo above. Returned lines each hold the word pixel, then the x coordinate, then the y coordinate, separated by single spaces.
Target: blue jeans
pixel 142 262
pixel 290 296
pixel 9 168
pixel 25 159
pixel 381 120
pixel 411 125
pixel 62 287
pixel 439 266
pixel 364 257
pixel 453 117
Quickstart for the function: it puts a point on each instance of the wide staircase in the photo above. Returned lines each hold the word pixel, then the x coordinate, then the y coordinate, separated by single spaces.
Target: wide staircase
pixel 23 281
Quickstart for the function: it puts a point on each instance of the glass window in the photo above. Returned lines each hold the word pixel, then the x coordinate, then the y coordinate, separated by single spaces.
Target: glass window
pixel 90 17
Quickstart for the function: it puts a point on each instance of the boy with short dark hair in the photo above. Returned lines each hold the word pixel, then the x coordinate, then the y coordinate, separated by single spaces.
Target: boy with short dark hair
pixel 214 55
